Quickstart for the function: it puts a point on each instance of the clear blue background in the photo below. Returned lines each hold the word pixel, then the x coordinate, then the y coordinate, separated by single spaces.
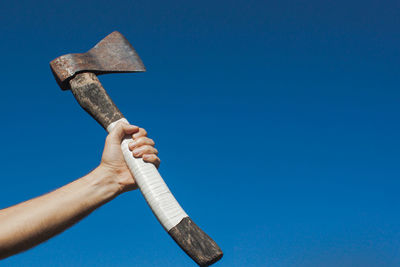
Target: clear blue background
pixel 277 123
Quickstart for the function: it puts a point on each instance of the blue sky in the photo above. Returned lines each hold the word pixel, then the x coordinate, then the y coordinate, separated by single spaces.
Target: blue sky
pixel 277 124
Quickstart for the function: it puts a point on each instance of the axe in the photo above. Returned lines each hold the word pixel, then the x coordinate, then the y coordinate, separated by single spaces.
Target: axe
pixel 78 72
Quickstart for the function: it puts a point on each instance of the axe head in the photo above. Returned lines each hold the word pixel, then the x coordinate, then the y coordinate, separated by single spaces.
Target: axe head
pixel 113 54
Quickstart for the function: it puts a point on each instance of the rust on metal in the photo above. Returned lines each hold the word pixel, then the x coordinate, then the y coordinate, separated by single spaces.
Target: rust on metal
pixel 113 54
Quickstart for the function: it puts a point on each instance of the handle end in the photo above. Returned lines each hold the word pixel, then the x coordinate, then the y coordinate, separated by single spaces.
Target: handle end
pixel 195 242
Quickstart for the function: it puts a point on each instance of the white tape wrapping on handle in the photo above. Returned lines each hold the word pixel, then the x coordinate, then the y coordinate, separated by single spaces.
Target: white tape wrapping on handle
pixel 151 184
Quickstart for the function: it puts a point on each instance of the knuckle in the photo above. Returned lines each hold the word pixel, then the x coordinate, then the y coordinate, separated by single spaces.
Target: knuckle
pixel 149 157
pixel 140 140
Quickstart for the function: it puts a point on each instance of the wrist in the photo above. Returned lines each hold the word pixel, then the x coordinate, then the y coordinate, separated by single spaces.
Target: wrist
pixel 102 181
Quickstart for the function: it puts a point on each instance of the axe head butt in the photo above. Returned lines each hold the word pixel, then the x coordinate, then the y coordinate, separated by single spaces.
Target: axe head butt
pixel 113 54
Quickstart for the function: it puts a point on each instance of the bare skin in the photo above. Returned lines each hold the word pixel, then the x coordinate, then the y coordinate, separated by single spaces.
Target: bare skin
pixel 32 222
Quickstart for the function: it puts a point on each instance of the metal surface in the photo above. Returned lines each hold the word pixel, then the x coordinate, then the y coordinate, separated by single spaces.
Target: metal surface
pixel 113 54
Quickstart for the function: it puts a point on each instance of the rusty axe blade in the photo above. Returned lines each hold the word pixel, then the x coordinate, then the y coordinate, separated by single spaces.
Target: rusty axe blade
pixel 113 54
pixel 78 73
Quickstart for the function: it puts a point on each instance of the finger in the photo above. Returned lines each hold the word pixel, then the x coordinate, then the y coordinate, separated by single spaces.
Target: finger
pixel 152 158
pixel 130 129
pixel 140 133
pixel 146 149
pixel 120 130
pixel 141 141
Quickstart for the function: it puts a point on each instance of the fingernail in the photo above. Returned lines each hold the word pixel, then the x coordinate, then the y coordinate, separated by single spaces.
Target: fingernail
pixel 132 144
pixel 137 151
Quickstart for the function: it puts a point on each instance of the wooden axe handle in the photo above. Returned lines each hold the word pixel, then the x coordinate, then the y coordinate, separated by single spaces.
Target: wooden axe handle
pixel 92 97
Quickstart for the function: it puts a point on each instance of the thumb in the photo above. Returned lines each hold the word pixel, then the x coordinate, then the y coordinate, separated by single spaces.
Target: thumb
pixel 120 130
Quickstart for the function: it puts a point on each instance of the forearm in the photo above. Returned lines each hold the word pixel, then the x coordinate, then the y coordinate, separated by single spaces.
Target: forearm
pixel 27 224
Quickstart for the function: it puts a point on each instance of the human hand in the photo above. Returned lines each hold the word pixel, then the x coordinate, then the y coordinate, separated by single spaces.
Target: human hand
pixel 113 161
